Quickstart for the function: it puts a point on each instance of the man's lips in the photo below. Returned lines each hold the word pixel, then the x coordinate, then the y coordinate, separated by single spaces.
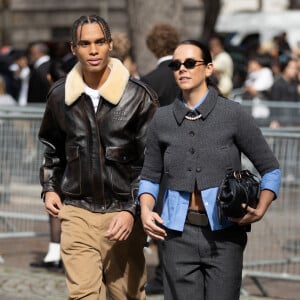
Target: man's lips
pixel 94 62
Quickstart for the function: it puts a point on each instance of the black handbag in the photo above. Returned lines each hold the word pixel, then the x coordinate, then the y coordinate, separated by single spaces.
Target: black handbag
pixel 237 187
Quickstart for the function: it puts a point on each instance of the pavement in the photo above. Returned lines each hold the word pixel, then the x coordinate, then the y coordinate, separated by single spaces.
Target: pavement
pixel 18 281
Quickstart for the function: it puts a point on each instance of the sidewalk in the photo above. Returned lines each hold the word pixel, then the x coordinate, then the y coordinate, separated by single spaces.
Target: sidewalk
pixel 20 282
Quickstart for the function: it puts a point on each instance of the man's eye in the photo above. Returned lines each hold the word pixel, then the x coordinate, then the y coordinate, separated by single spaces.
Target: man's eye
pixel 101 42
pixel 83 44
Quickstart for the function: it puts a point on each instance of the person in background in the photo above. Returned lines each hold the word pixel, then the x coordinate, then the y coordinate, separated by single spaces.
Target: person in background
pixel 161 40
pixel 5 98
pixel 223 65
pixel 21 73
pixel 283 46
pixel 5 70
pixel 123 51
pixel 285 89
pixel 259 78
pixel 39 62
pixel 94 129
pixel 194 142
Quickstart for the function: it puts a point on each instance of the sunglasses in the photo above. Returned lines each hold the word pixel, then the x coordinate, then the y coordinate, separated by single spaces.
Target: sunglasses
pixel 189 63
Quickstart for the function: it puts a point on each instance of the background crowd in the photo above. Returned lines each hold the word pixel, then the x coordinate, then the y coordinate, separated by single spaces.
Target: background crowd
pixel 268 70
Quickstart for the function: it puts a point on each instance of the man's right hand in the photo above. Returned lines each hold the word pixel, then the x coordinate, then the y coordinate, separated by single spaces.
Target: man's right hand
pixel 53 203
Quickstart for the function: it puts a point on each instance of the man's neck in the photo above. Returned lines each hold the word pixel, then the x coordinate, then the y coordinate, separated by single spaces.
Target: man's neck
pixel 96 80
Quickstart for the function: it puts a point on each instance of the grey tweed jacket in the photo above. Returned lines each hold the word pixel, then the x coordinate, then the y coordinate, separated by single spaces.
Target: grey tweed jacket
pixel 202 151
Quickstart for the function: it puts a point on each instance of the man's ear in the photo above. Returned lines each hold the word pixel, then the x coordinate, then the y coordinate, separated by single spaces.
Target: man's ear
pixel 72 48
pixel 110 46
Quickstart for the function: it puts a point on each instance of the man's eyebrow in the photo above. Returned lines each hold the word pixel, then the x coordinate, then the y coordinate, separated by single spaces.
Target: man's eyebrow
pixel 83 41
pixel 103 39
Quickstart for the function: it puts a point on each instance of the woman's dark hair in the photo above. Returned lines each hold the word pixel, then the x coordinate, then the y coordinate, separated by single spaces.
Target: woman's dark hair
pixel 206 56
pixel 89 20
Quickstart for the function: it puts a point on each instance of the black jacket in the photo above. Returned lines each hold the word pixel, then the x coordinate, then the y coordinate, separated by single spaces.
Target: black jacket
pixel 162 80
pixel 93 160
pixel 38 84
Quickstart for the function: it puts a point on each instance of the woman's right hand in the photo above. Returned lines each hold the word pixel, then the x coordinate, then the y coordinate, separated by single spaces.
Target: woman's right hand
pixel 150 220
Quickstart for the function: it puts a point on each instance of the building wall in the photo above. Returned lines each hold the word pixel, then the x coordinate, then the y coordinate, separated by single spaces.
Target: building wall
pixel 28 20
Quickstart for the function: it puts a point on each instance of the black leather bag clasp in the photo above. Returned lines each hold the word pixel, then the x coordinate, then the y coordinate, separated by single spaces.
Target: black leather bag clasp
pixel 237 187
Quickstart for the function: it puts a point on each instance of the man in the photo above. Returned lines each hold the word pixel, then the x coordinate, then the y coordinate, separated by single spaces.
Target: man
pixel 94 129
pixel 161 40
pixel 39 61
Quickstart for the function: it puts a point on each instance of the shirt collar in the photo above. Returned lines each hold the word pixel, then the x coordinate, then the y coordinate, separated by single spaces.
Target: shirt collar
pixel 204 109
pixel 198 103
pixel 41 60
pixel 164 58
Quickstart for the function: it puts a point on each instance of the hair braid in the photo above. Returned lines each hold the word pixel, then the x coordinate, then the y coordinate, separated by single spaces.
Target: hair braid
pixel 89 20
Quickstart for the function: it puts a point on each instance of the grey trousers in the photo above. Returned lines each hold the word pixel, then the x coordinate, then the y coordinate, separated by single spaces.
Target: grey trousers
pixel 201 264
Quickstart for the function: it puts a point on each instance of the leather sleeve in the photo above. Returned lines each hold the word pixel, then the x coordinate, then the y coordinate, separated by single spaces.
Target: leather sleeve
pixel 52 168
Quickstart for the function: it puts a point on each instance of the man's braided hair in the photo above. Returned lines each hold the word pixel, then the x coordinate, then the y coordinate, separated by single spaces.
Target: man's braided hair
pixel 89 20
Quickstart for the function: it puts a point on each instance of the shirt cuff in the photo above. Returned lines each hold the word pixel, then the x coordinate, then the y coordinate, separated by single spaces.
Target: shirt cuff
pixel 271 181
pixel 148 187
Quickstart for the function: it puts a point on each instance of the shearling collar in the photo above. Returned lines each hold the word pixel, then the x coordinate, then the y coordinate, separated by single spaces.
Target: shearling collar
pixel 112 89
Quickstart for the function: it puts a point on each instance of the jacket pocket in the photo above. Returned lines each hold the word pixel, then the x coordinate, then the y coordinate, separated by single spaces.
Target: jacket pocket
pixel 71 182
pixel 120 155
pixel 119 161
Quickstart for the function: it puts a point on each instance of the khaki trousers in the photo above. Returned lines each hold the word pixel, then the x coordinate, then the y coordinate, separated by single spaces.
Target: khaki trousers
pixel 89 258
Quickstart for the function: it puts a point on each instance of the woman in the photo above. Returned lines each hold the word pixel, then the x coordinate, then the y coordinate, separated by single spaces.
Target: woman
pixel 193 143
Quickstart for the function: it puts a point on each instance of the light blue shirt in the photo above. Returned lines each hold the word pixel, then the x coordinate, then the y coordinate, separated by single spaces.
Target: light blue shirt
pixel 175 204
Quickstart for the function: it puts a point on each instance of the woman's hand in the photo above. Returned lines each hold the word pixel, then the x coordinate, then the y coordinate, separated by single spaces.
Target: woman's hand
pixel 255 214
pixel 150 220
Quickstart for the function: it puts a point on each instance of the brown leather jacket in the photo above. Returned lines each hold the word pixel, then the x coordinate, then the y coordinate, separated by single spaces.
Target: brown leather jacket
pixel 93 160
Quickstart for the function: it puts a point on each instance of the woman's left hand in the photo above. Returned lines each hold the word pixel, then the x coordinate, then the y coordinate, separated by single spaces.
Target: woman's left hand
pixel 255 214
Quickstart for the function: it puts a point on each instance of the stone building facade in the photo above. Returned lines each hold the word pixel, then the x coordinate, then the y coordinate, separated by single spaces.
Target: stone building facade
pixel 23 21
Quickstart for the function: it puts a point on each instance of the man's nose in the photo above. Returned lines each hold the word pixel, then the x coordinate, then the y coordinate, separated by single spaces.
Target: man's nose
pixel 93 48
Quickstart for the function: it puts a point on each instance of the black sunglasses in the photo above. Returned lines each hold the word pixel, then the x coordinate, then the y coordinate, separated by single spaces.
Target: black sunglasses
pixel 189 63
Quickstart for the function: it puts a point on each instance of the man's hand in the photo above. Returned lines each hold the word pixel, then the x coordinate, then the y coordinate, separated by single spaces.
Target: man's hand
pixel 120 226
pixel 52 203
